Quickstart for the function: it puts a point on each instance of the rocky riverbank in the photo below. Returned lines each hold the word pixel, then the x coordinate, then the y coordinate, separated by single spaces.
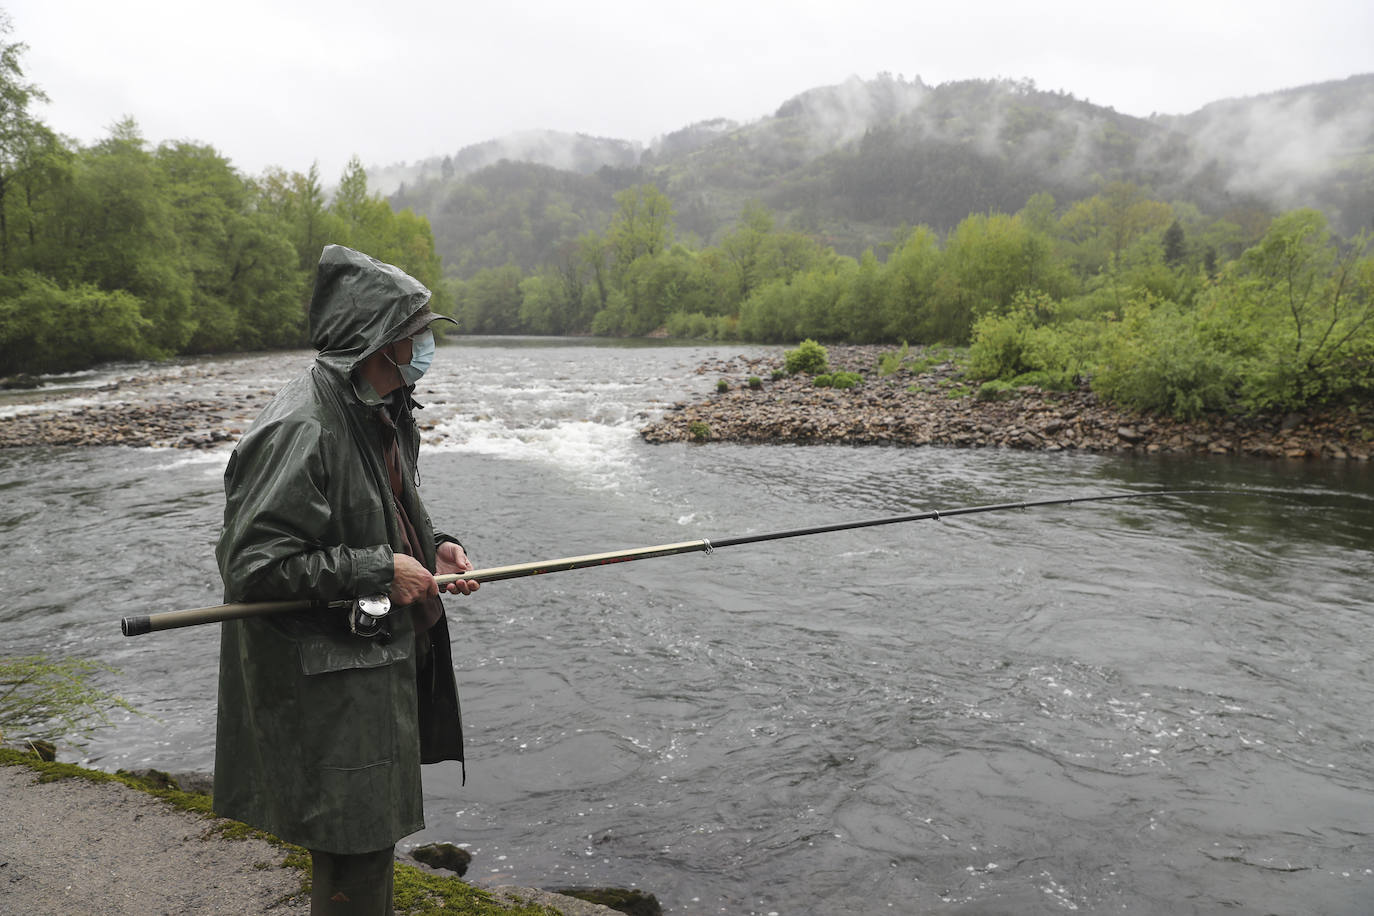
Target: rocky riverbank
pixel 199 408
pixel 933 406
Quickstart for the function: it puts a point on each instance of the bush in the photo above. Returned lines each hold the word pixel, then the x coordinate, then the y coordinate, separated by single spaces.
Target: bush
pixel 697 326
pixel 1050 380
pixel 999 346
pixel 755 383
pixel 1158 361
pixel 722 386
pixel 996 390
pixel 890 363
pixel 50 699
pixel 45 327
pixel 809 357
pixel 839 380
pixel 699 431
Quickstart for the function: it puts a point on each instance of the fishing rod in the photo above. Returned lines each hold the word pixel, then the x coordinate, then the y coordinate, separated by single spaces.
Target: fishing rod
pixel 377 607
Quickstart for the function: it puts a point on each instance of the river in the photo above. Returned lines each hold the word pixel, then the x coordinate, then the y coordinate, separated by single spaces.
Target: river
pixel 1148 706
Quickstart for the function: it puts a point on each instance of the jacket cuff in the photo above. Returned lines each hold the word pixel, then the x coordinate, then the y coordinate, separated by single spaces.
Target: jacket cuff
pixel 373 570
pixel 440 537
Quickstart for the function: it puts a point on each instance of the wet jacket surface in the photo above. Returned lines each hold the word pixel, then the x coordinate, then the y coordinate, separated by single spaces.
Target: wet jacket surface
pixel 321 733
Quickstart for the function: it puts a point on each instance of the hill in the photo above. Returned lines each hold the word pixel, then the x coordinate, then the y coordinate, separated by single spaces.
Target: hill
pixel 851 163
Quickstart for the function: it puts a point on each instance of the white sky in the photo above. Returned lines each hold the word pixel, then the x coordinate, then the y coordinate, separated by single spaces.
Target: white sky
pixel 290 82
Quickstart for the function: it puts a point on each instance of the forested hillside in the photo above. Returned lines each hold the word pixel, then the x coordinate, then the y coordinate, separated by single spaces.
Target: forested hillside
pixel 1205 262
pixel 1210 262
pixel 849 164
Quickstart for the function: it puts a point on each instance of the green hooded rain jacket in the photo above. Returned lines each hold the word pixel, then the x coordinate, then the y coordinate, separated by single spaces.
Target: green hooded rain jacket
pixel 321 733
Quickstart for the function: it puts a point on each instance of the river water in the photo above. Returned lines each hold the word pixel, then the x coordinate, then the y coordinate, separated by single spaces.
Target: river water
pixel 1148 706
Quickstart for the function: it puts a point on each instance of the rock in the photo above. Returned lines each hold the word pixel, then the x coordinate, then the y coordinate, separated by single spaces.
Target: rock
pixel 1129 434
pixel 625 900
pixel 195 783
pixel 443 855
pixel 21 381
pixel 43 750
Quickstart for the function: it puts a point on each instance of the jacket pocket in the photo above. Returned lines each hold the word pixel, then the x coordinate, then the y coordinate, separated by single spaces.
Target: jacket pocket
pixel 348 697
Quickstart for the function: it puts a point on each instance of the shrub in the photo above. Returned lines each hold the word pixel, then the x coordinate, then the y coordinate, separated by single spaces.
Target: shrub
pixel 722 385
pixel 1158 361
pixel 51 698
pixel 755 382
pixel 996 390
pixel 699 431
pixel 890 363
pixel 846 380
pixel 1050 380
pixel 839 380
pixel 809 357
pixel 999 346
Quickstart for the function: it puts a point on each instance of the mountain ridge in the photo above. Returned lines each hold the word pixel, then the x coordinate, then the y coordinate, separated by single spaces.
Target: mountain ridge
pixel 855 160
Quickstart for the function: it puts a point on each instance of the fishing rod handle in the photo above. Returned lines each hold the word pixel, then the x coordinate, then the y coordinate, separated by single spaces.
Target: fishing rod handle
pixel 139 624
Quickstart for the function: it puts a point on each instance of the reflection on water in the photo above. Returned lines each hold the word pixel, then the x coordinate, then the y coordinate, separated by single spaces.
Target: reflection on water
pixel 1155 706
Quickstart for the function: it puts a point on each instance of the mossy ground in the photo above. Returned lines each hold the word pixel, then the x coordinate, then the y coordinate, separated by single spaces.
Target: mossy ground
pixel 417 893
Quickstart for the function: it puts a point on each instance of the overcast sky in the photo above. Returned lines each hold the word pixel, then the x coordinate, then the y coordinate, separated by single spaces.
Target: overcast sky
pixel 290 82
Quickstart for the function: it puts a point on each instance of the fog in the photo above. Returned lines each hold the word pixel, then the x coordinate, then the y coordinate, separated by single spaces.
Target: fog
pixel 291 83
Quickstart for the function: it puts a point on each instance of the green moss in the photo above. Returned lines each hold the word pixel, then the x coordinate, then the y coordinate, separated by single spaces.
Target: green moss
pixel 418 893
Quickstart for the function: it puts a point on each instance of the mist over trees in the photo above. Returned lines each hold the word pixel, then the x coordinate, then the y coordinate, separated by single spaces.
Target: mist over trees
pixel 1167 260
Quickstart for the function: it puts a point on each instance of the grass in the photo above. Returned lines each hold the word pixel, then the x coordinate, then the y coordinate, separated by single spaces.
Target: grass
pixel 417 893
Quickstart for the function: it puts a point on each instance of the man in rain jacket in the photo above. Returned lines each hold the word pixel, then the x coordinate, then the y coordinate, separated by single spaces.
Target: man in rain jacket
pixel 321 732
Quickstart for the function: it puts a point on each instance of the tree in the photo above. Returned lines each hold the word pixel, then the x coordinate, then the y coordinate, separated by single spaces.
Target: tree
pixel 297 202
pixel 22 137
pixel 118 232
pixel 642 227
pixel 1301 312
pixel 1101 228
pixel 1173 244
pixel 744 249
pixel 910 283
pixel 490 302
pixel 364 217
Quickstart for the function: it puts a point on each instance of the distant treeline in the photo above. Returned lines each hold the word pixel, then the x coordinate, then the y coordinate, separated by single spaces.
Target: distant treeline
pixel 120 251
pixel 1159 306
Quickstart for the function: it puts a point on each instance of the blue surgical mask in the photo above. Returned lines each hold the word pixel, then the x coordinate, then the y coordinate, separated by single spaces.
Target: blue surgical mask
pixel 421 356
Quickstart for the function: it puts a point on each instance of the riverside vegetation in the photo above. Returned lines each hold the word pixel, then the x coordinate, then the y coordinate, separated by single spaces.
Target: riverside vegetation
pixel 925 397
pixel 120 251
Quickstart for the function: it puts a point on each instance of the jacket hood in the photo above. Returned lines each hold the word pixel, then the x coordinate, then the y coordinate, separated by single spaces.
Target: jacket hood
pixel 360 304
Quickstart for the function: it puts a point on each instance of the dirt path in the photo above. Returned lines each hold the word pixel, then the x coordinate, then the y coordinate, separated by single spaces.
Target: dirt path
pixel 74 847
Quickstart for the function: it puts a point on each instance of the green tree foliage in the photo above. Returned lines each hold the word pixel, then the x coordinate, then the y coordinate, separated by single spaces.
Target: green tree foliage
pixel 123 251
pixel 641 228
pixel 1298 311
pixel 44 325
pixel 490 302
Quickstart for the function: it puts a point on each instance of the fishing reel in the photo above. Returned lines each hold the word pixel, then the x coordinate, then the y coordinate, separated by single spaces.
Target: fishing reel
pixel 367 616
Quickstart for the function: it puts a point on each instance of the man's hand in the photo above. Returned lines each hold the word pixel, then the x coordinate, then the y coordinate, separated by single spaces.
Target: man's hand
pixel 410 581
pixel 453 560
